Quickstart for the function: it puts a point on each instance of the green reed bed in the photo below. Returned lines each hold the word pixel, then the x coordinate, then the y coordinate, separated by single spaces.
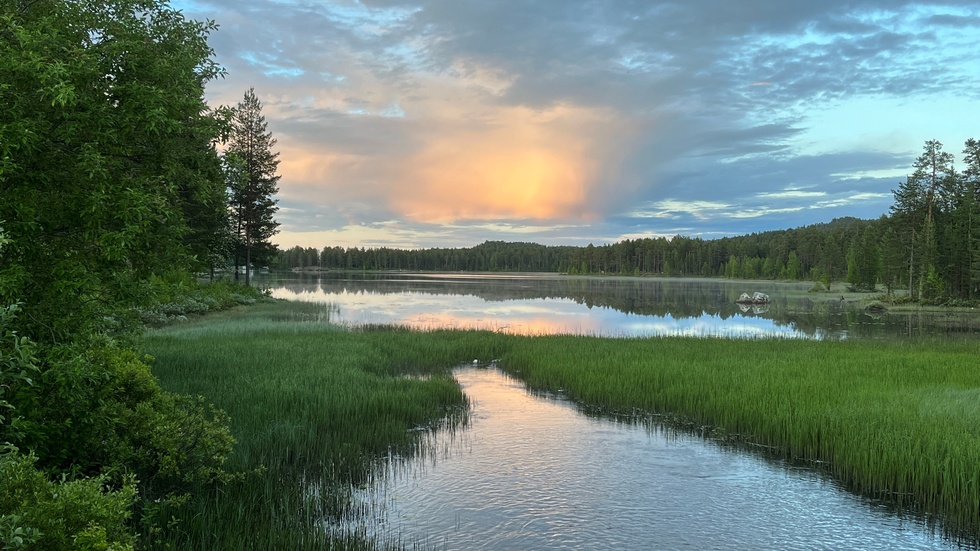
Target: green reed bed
pixel 313 407
pixel 898 421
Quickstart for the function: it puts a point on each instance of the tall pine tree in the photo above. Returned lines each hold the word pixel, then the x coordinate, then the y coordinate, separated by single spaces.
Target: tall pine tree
pixel 971 204
pixel 922 203
pixel 252 184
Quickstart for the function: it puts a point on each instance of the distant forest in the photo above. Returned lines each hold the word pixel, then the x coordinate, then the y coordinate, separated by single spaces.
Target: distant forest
pixel 928 245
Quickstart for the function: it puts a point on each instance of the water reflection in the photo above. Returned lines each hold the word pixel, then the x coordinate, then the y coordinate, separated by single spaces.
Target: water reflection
pixel 550 304
pixel 532 472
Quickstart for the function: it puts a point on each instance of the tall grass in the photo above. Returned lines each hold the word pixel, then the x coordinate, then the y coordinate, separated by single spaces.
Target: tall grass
pixel 312 407
pixel 315 406
pixel 894 420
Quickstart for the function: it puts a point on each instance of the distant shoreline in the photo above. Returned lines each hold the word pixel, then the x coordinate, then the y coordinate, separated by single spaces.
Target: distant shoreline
pixel 837 289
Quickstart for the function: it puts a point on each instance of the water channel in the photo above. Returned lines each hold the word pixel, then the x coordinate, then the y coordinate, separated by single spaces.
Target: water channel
pixel 534 472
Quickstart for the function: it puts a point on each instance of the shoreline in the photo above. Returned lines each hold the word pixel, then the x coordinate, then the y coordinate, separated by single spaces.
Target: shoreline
pixel 837 288
pixel 804 400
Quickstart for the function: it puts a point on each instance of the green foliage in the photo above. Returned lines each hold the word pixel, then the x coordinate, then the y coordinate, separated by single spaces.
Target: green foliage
pixel 83 514
pixel 109 179
pixel 18 366
pixel 251 166
pixel 765 255
pixel 935 222
pixel 934 288
pixel 97 409
pixel 107 167
pixel 177 296
pixel 794 269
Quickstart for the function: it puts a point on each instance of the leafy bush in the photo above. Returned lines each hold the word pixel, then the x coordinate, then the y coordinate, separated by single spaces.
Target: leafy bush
pixel 97 409
pixel 175 298
pixel 17 366
pixel 40 514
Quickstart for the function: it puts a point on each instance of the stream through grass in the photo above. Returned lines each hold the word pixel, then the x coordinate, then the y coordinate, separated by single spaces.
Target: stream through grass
pixel 531 471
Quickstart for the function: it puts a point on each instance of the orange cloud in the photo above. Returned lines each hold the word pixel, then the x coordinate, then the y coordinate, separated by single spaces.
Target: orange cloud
pixel 456 153
pixel 521 163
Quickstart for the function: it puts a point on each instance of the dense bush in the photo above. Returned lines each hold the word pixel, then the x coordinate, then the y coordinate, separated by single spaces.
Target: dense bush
pixel 97 409
pixel 37 512
pixel 102 436
pixel 40 514
pixel 17 365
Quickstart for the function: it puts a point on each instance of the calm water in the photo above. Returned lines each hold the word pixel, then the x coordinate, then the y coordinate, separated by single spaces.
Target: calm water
pixel 621 306
pixel 532 472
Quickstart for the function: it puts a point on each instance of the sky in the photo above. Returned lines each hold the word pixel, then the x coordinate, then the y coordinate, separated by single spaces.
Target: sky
pixel 445 123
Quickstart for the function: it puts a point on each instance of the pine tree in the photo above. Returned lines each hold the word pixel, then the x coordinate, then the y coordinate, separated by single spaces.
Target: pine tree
pixel 922 203
pixel 971 203
pixel 253 183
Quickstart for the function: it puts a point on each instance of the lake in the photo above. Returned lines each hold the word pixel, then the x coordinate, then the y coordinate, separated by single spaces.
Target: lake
pixel 534 472
pixel 534 304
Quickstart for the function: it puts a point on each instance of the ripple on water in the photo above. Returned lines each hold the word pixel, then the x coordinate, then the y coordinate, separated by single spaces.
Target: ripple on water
pixel 532 472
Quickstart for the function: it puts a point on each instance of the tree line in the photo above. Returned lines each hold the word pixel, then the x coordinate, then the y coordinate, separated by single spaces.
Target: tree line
pixel 785 254
pixel 117 182
pixel 927 246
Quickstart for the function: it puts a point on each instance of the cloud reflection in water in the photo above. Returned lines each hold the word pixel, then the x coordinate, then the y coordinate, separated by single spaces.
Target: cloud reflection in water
pixel 532 316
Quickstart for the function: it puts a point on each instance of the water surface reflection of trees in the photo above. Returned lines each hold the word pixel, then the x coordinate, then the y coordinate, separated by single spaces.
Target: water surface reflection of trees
pixel 817 315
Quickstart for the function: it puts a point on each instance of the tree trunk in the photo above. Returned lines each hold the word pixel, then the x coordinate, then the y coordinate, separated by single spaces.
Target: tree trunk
pixel 248 264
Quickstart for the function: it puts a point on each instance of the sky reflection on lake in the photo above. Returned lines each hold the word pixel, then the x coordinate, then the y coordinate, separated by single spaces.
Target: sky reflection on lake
pixel 546 304
pixel 425 309
pixel 531 471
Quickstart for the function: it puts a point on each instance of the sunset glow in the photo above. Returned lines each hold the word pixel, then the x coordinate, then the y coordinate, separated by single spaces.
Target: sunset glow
pixel 447 124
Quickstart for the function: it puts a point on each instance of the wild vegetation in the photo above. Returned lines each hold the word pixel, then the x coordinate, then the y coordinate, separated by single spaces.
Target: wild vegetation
pixel 314 406
pixel 888 419
pixel 111 194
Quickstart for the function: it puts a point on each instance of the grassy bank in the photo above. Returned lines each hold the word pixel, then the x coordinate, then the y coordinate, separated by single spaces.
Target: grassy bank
pixel 895 420
pixel 313 407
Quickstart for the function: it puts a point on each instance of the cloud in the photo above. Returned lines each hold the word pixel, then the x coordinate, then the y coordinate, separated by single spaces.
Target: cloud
pixel 438 121
pixel 791 194
pixel 556 163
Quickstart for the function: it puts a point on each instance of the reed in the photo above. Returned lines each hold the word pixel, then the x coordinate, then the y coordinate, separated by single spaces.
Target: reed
pixel 315 407
pixel 893 420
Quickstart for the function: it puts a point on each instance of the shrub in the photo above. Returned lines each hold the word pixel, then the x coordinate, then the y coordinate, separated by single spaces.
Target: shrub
pixel 40 514
pixel 17 365
pixel 98 410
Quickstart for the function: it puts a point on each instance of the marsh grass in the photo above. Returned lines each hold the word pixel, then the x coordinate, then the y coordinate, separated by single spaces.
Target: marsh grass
pixel 317 408
pixel 896 421
pixel 314 408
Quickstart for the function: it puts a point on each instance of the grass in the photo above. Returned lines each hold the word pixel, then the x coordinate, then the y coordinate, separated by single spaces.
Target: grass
pixel 315 406
pixel 893 420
